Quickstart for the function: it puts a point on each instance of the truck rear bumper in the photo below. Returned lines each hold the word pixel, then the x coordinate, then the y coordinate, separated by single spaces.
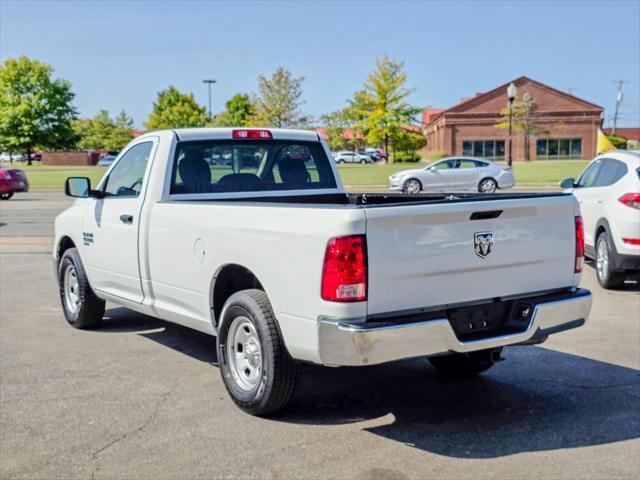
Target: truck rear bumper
pixel 357 343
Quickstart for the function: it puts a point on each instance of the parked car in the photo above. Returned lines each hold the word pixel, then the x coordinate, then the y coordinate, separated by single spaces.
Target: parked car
pixel 454 174
pixel 12 181
pixel 609 194
pixel 376 152
pixel 352 157
pixel 107 160
pixel 284 266
pixel 11 157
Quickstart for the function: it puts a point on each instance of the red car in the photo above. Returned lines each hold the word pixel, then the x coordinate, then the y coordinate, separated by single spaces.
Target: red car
pixel 12 181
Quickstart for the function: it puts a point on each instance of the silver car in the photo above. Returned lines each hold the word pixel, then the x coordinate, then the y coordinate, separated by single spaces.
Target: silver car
pixel 454 174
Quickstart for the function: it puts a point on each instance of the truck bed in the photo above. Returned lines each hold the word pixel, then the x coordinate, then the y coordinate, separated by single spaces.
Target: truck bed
pixel 383 199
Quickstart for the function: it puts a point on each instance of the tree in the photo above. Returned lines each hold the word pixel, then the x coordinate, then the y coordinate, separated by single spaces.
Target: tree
pixel 335 124
pixel 407 141
pixel 383 103
pixel 524 118
pixel 36 110
pixel 174 109
pixel 103 133
pixel 239 112
pixel 279 101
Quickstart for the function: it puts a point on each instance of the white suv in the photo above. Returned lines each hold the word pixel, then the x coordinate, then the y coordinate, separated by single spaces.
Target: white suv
pixel 352 157
pixel 609 194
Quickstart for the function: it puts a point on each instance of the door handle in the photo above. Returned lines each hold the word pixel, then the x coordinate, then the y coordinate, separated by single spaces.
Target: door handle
pixel 126 218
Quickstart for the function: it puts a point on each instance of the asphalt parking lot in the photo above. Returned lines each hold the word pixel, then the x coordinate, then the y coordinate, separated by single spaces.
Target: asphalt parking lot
pixel 141 398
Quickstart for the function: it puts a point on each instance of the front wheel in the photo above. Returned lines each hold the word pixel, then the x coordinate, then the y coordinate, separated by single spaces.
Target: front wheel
pixel 411 186
pixel 6 196
pixel 256 368
pixel 607 277
pixel 81 307
pixel 488 185
pixel 466 364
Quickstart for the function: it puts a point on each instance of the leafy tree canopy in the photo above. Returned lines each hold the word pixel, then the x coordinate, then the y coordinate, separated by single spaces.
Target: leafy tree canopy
pixel 239 111
pixel 103 132
pixel 36 110
pixel 383 103
pixel 280 100
pixel 174 109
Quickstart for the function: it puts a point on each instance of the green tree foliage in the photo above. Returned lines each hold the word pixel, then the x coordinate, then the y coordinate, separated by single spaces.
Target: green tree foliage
pixel 618 141
pixel 174 109
pixel 279 101
pixel 36 110
pixel 239 111
pixel 407 142
pixel 335 124
pixel 383 102
pixel 524 120
pixel 104 133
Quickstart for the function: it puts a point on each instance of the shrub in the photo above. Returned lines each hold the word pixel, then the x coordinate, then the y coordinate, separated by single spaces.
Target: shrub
pixel 433 156
pixel 407 158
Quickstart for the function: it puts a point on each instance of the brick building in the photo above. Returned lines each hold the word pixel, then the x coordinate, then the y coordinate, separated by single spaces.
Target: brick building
pixel 468 128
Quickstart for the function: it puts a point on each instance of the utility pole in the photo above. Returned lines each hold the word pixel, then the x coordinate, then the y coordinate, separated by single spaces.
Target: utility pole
pixel 571 89
pixel 618 102
pixel 209 82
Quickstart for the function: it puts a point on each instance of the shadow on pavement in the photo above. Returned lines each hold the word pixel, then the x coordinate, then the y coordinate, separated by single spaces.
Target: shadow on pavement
pixel 537 400
pixel 632 283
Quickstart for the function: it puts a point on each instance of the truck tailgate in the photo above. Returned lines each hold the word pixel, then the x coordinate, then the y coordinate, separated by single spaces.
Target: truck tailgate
pixel 428 255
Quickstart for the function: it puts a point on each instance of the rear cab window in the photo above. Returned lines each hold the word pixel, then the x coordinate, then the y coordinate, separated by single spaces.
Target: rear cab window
pixel 236 166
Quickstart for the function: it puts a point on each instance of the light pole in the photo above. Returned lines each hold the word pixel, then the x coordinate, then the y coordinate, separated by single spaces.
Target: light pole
pixel 209 82
pixel 511 93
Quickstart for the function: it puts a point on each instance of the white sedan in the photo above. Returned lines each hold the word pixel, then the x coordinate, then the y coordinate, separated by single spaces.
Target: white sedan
pixel 454 174
pixel 352 157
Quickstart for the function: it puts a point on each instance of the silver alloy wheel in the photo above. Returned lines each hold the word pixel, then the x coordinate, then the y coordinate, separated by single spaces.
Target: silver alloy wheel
pixel 71 289
pixel 602 260
pixel 488 186
pixel 412 186
pixel 244 353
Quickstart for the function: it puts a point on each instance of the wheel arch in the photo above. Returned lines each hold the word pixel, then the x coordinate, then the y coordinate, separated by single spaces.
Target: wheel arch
pixel 64 243
pixel 227 280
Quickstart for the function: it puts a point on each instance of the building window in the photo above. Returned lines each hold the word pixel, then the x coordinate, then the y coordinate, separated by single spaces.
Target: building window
pixel 557 148
pixel 490 149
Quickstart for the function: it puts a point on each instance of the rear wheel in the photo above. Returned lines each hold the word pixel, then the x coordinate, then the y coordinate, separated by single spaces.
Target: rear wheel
pixel 607 277
pixel 412 185
pixel 82 308
pixel 488 185
pixel 256 368
pixel 6 196
pixel 466 364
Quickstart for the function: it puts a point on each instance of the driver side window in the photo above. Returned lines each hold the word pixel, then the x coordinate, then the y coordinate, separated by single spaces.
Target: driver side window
pixel 445 165
pixel 125 180
pixel 588 177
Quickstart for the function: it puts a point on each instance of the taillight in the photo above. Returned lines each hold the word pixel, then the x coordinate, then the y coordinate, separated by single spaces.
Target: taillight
pixel 631 241
pixel 631 200
pixel 344 273
pixel 252 134
pixel 579 245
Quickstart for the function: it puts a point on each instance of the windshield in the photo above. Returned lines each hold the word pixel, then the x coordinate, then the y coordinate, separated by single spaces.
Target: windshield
pixel 224 166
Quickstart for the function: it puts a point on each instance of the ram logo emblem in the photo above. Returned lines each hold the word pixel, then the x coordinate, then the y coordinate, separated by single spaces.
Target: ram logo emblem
pixel 483 243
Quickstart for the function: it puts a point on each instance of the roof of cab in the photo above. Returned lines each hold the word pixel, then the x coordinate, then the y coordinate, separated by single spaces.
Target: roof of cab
pixel 191 134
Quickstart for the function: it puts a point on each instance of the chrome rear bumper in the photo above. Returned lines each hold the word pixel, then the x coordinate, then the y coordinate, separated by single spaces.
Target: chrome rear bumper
pixel 352 343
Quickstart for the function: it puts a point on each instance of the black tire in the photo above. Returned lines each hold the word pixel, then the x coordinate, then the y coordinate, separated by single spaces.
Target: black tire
pixel 90 310
pixel 407 186
pixel 465 364
pixel 487 185
pixel 607 277
pixel 278 373
pixel 6 196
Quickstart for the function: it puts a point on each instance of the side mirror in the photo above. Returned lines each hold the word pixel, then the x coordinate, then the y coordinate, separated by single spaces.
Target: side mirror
pixel 80 187
pixel 432 169
pixel 568 183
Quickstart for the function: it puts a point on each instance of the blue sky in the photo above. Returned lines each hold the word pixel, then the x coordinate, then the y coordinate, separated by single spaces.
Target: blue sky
pixel 118 54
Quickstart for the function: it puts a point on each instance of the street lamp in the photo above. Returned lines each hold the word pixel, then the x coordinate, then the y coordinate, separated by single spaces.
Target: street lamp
pixel 511 93
pixel 209 82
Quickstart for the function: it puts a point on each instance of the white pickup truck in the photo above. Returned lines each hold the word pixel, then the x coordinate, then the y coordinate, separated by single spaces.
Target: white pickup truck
pixel 248 234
